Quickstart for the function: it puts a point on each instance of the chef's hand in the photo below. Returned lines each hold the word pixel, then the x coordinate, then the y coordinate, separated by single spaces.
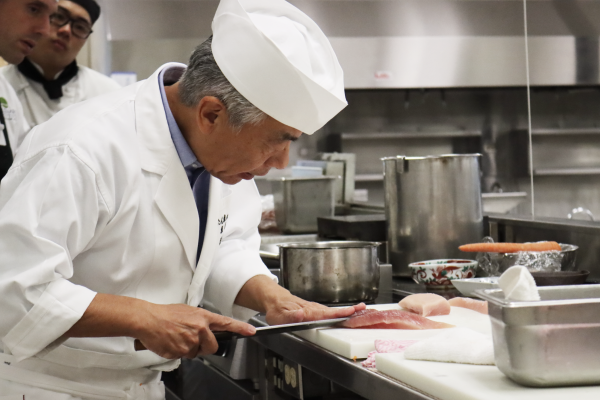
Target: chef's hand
pixel 290 309
pixel 171 331
pixel 179 330
pixel 262 294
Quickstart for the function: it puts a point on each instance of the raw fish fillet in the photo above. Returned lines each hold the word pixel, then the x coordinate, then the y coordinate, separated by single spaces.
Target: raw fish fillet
pixel 426 304
pixel 472 304
pixel 390 319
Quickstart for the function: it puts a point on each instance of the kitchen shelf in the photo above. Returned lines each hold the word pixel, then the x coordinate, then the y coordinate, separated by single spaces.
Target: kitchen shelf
pixel 565 131
pixel 368 178
pixel 566 171
pixel 411 135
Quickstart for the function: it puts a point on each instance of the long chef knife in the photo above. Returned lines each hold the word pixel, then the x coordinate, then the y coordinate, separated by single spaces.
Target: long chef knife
pixel 268 330
pixel 273 329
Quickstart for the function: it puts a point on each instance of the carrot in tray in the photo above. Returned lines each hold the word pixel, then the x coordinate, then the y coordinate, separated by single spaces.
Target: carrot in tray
pixel 509 247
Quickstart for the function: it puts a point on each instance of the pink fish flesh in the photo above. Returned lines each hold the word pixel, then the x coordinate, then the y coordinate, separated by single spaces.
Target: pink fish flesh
pixel 426 304
pixel 472 304
pixel 391 319
pixel 392 345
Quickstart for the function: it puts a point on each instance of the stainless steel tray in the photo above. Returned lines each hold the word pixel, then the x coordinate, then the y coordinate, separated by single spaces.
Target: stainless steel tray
pixel 552 342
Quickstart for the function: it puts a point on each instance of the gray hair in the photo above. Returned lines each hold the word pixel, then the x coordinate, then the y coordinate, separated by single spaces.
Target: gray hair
pixel 203 77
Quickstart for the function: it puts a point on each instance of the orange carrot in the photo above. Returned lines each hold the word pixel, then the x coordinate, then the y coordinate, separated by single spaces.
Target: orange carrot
pixel 509 247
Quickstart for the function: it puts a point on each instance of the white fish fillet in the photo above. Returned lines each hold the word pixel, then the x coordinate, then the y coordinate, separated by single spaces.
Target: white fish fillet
pixel 426 304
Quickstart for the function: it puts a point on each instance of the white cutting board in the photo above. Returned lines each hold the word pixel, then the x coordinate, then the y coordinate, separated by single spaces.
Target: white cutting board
pixel 448 381
pixel 358 343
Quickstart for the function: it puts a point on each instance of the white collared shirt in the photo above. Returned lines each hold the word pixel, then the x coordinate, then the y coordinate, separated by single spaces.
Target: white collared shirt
pixel 38 107
pixel 12 110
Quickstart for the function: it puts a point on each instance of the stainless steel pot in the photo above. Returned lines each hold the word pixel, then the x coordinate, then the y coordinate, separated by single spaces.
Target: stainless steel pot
pixel 432 205
pixel 331 272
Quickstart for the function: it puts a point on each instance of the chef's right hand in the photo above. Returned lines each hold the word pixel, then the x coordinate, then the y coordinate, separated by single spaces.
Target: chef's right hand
pixel 178 330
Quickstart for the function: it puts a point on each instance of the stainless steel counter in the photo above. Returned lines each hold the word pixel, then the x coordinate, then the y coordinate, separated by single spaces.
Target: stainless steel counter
pixel 256 356
pixel 347 373
pixel 341 371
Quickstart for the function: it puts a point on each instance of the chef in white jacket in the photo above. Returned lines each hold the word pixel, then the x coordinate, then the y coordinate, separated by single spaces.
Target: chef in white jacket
pixel 49 79
pixel 122 214
pixel 22 24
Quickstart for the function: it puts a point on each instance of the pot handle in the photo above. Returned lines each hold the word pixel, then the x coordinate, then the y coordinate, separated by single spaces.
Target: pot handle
pixel 268 254
pixel 581 210
pixel 401 165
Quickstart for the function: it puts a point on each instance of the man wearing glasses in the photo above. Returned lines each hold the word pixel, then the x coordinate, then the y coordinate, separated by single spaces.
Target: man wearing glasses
pixel 49 79
pixel 22 24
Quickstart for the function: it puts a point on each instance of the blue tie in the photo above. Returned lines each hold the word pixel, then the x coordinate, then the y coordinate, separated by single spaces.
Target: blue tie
pixel 200 181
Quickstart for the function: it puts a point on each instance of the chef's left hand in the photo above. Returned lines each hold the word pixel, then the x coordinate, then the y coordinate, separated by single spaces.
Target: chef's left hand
pixel 293 309
pixel 281 307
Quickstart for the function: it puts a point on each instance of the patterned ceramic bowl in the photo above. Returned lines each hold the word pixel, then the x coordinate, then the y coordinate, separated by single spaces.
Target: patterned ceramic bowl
pixel 439 273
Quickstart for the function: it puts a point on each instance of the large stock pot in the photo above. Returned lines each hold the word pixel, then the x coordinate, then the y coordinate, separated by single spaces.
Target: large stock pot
pixel 432 205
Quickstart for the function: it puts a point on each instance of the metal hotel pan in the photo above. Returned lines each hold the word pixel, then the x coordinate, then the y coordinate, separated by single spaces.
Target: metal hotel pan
pixel 552 342
pixel 299 201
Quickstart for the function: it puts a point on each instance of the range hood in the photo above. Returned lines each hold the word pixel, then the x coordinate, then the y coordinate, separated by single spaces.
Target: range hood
pixel 415 43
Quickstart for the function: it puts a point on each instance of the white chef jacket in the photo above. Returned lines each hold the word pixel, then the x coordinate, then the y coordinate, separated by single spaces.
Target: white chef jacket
pixel 97 201
pixel 38 107
pixel 17 126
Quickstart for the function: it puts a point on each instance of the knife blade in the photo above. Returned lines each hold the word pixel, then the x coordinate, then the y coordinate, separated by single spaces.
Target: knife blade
pixel 224 336
pixel 285 328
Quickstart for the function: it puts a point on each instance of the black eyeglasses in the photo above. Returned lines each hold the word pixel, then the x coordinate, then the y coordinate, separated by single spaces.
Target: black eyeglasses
pixel 79 27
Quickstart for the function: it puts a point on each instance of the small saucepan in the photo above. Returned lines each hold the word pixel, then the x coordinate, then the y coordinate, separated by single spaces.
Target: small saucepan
pixel 331 272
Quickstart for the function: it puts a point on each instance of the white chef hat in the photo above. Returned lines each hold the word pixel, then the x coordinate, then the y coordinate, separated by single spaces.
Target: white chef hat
pixel 280 60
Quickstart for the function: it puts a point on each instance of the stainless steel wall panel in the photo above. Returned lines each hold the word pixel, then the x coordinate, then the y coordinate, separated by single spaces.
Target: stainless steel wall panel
pixel 556 196
pixel 368 152
pixel 566 151
pixel 431 62
pixel 145 56
pixel 444 62
pixel 410 43
pixel 159 19
pixel 377 18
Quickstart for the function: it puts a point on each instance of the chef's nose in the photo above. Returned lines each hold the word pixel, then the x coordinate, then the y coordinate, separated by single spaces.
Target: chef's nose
pixel 280 159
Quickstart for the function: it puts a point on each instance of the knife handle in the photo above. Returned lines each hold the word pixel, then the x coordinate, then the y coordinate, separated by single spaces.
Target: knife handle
pixel 224 336
pixel 222 339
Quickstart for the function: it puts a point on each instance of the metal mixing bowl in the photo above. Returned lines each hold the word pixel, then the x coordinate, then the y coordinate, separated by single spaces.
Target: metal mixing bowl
pixel 494 264
pixel 331 272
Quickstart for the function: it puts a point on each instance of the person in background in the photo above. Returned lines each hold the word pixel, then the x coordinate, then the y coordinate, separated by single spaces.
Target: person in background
pixel 22 24
pixel 49 79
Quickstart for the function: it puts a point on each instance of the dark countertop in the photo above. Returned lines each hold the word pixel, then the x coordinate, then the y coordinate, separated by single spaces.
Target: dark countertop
pixel 402 287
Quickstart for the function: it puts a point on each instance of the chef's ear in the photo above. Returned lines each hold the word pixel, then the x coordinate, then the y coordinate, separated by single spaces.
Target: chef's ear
pixel 211 112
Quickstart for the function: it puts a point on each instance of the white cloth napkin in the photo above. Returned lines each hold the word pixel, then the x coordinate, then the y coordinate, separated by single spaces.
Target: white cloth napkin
pixel 456 345
pixel 518 284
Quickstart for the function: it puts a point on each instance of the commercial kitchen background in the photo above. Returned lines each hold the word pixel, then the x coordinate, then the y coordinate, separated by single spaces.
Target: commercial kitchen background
pixel 425 77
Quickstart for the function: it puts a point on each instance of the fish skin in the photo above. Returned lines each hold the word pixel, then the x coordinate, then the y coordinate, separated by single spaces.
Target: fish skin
pixel 426 304
pixel 390 319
